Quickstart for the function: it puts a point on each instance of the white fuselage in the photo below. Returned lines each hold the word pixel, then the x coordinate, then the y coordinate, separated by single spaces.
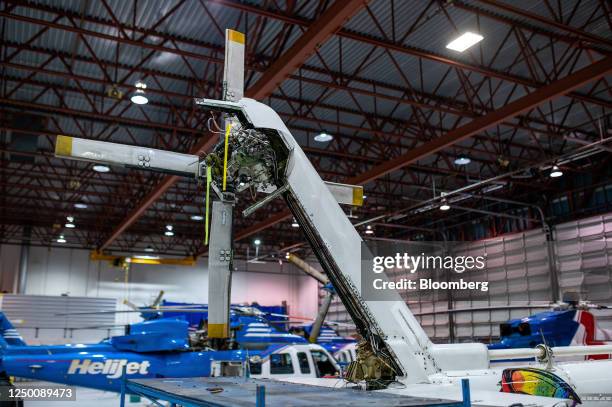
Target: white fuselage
pixel 591 380
pixel 428 369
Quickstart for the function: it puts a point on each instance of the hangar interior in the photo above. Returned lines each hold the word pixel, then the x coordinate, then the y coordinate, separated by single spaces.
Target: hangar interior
pixel 482 122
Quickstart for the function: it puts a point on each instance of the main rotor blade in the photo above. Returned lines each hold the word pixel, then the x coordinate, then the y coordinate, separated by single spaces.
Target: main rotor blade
pixel 328 322
pixel 484 308
pixel 130 304
pixel 316 325
pixel 140 311
pixel 158 299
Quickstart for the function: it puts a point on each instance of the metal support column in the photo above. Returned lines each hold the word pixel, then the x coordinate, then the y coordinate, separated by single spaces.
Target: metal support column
pixel 24 258
pixel 552 263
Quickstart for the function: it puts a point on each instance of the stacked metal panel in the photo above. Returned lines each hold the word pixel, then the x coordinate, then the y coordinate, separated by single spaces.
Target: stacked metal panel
pixel 518 271
pixel 39 319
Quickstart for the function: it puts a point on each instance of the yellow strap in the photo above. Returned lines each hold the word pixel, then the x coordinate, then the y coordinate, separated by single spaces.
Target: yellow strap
pixel 227 132
pixel 207 215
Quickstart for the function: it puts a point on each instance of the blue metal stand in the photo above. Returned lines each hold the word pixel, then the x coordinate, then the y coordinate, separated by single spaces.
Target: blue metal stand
pixel 465 388
pixel 123 386
pixel 261 396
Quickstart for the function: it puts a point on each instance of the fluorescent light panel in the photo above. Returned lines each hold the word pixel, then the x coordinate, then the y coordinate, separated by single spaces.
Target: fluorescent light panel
pixel 465 41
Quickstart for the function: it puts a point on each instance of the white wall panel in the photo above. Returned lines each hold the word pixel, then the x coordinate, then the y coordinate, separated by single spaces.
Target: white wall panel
pixel 584 257
pixel 518 271
pixel 60 271
pixel 42 319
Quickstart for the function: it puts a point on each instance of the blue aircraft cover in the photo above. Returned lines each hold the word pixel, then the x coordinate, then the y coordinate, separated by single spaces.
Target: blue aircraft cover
pixel 154 336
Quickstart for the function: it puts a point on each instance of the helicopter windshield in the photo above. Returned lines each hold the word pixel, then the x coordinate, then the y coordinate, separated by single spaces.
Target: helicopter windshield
pixel 323 364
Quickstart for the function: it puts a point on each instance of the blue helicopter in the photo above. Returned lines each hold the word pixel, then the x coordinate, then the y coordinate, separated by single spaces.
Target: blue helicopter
pixel 262 325
pixel 163 347
pixel 569 324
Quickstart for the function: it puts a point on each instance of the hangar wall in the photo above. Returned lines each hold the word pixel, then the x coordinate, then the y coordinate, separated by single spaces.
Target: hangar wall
pixel 63 271
pixel 518 271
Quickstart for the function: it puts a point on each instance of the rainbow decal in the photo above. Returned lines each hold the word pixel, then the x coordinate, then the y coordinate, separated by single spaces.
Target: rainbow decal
pixel 536 382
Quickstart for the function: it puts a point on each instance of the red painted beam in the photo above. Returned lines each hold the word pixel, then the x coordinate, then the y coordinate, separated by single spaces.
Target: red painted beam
pixel 258 227
pixel 203 146
pixel 583 35
pixel 96 116
pixel 256 10
pixel 319 32
pixel 420 53
pixel 480 124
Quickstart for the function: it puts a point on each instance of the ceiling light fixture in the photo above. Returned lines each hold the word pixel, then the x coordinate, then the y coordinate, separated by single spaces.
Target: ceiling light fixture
pixel 169 227
pixel 70 225
pixel 80 205
pixel 555 172
pixel 149 249
pixel 61 239
pixel 464 41
pixel 197 217
pixel 294 224
pixel 101 168
pixel 369 230
pixel 70 219
pixel 462 160
pixel 145 257
pixel 445 206
pixel 257 242
pixel 139 97
pixel 287 255
pixel 323 137
pixel 169 233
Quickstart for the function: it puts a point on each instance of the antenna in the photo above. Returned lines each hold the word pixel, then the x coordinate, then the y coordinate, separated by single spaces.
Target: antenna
pixel 547 355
